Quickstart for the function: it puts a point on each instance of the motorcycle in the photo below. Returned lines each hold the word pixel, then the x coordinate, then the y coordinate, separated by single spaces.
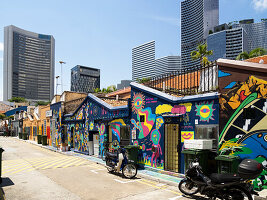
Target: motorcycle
pixel 118 161
pixel 222 186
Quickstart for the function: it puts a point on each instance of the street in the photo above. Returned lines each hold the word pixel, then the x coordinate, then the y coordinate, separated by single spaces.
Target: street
pixel 32 172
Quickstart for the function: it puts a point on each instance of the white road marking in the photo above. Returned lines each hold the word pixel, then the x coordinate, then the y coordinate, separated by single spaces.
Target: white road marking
pixel 123 182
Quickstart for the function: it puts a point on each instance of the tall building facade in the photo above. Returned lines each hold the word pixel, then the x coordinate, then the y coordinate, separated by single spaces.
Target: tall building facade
pixel 84 79
pixel 234 39
pixel 123 84
pixel 197 18
pixel 167 64
pixel 29 64
pixel 143 61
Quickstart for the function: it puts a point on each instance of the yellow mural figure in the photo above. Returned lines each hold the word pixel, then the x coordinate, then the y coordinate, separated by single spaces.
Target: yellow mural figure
pixel 187 135
pixel 165 108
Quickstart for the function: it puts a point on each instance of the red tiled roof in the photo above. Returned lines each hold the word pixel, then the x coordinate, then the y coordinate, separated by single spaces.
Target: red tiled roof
pixel 258 59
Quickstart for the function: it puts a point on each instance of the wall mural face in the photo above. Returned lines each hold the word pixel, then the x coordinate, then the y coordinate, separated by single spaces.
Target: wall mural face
pixel 245 133
pixel 147 123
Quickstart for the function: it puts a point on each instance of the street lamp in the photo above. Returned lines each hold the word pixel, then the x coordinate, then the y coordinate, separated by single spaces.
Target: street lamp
pixel 56 83
pixel 61 62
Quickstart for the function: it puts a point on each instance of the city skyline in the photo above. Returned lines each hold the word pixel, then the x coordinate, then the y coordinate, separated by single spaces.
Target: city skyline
pixel 94 37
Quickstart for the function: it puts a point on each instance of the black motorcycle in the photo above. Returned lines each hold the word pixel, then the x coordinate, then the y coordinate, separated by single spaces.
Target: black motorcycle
pixel 128 168
pixel 222 186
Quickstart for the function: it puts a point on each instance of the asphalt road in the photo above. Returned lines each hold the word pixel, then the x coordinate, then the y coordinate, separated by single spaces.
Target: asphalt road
pixel 31 172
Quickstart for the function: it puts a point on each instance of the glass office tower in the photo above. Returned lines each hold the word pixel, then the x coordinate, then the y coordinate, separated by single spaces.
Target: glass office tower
pixel 84 79
pixel 29 64
pixel 197 18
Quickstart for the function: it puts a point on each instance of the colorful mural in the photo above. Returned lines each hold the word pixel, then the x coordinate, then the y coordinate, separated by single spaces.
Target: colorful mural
pixel 101 129
pixel 148 118
pixel 244 134
pixel 205 111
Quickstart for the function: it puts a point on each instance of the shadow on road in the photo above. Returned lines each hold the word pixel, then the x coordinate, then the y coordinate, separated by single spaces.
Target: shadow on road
pixel 195 197
pixel 6 182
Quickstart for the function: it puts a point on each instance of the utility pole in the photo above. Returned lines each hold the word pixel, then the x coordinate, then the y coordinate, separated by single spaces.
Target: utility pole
pixel 61 62
pixel 56 83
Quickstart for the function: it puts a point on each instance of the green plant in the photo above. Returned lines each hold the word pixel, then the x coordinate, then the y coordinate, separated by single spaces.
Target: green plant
pixel 97 90
pixel 143 80
pixel 252 54
pixel 2 116
pixel 202 54
pixel 210 31
pixel 17 99
pixel 42 103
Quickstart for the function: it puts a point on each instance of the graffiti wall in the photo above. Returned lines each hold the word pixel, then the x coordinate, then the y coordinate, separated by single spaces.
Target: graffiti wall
pixel 56 124
pixel 149 114
pixel 93 116
pixel 243 118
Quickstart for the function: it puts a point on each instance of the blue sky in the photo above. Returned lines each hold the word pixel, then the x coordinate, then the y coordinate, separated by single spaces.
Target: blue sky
pixel 102 33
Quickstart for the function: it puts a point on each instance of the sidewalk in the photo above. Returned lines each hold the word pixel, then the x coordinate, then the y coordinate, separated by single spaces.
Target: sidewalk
pixel 156 175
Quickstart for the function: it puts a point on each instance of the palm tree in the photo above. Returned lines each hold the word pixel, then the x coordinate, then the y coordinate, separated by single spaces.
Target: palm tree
pixel 202 54
pixel 253 53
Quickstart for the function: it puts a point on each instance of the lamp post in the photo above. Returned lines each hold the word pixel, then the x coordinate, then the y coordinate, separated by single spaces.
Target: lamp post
pixel 61 62
pixel 56 83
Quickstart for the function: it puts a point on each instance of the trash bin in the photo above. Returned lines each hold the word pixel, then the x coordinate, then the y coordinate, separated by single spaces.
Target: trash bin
pixel 44 139
pixel 20 135
pixel 227 164
pixel 1 151
pixel 39 139
pixel 25 136
pixel 132 151
pixel 201 154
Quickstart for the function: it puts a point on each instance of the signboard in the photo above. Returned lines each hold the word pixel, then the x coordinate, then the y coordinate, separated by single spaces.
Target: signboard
pixel 48 113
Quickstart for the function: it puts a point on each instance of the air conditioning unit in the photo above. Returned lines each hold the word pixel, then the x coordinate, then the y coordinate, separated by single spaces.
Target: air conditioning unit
pixel 198 144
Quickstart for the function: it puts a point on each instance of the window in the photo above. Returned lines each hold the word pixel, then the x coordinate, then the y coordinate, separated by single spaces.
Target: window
pixel 142 118
pixel 209 132
pixel 125 135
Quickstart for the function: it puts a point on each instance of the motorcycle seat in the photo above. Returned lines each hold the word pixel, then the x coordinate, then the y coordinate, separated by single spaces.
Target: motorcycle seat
pixel 224 178
pixel 112 155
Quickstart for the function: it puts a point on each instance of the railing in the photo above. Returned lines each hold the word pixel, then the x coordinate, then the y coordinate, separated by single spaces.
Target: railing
pixel 190 81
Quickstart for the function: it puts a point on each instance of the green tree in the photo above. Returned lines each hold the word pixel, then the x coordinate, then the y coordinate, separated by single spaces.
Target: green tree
pixel 42 103
pixel 202 54
pixel 17 99
pixel 252 54
pixel 97 90
pixel 143 80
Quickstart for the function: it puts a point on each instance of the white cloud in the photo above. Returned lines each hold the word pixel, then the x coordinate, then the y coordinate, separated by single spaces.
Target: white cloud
pixel 259 5
pixel 1 46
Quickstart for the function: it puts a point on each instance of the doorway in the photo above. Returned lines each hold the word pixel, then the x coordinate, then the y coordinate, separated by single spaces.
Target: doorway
pixel 71 137
pixel 172 143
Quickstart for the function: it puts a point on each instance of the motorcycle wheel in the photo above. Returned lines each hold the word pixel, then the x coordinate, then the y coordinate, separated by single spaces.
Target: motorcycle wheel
pixel 188 187
pixel 237 193
pixel 110 169
pixel 129 171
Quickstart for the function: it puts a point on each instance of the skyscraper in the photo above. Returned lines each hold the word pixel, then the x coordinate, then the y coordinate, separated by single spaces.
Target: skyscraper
pixel 84 79
pixel 29 64
pixel 143 61
pixel 234 39
pixel 197 18
pixel 167 64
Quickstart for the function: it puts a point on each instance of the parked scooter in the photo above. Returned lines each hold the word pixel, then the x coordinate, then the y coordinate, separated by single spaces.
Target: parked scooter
pixel 118 161
pixel 222 186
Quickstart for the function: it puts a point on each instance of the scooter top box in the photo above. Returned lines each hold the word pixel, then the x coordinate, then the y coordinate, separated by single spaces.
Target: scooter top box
pixel 249 169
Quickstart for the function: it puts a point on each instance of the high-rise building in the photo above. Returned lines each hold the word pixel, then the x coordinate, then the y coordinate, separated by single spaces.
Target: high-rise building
pixel 143 61
pixel 197 18
pixel 228 41
pixel 29 64
pixel 84 79
pixel 123 84
pixel 167 64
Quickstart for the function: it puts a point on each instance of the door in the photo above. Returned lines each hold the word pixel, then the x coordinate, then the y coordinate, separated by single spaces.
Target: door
pixel 96 144
pixel 172 143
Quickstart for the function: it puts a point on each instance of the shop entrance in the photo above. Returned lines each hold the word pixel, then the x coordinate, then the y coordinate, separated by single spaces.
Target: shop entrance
pixel 172 142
